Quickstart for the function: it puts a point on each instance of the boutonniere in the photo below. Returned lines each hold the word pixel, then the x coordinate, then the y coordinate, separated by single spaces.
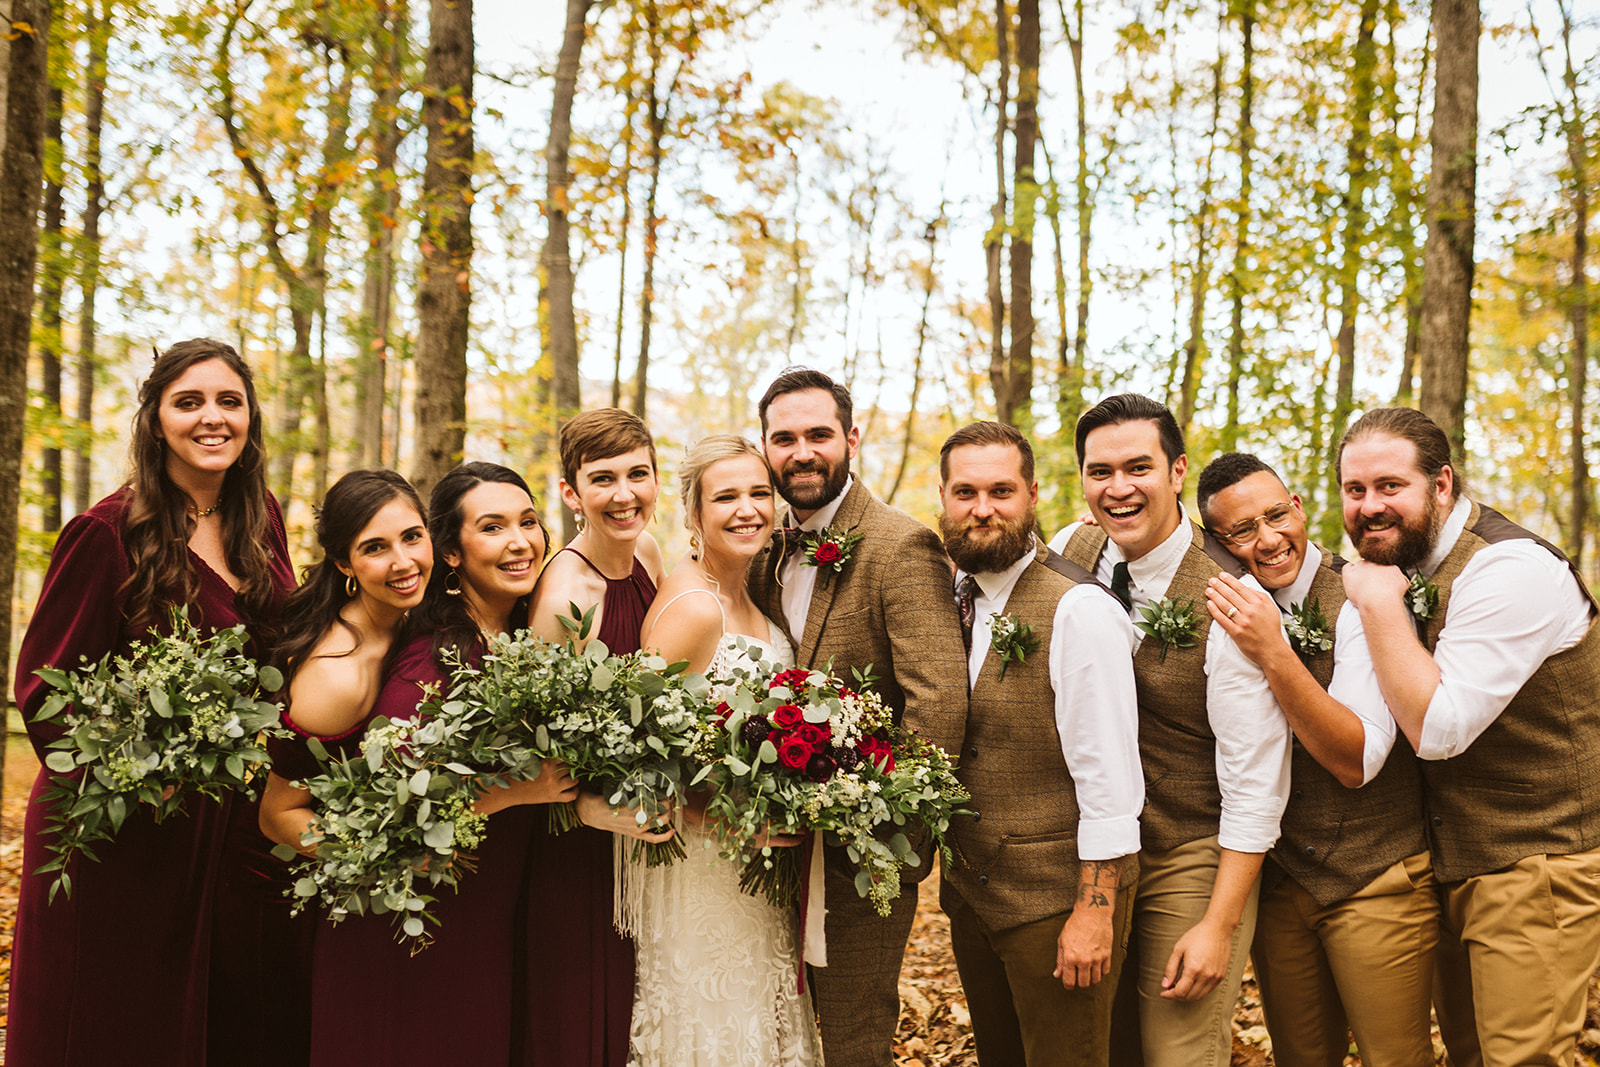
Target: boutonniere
pixel 1012 639
pixel 1423 597
pixel 1172 622
pixel 829 549
pixel 1308 629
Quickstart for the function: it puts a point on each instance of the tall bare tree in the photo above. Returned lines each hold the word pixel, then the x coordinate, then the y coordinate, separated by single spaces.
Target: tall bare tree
pixel 444 291
pixel 26 82
pixel 99 33
pixel 1239 272
pixel 1448 262
pixel 994 242
pixel 52 279
pixel 1019 370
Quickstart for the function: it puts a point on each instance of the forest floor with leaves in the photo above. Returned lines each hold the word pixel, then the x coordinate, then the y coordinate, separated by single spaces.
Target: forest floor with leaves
pixel 935 1029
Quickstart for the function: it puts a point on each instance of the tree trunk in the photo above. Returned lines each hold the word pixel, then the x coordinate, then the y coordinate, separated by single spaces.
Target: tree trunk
pixel 1357 181
pixel 1069 394
pixel 99 33
pixel 1239 272
pixel 1452 200
pixel 1578 298
pixel 52 277
pixel 1406 201
pixel 1025 199
pixel 655 153
pixel 382 207
pixel 629 107
pixel 555 259
pixel 929 284
pixel 995 242
pixel 21 184
pixel 444 290
pixel 1200 282
pixel 319 226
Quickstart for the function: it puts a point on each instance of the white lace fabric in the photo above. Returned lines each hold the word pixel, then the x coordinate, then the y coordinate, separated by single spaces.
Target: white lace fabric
pixel 717 969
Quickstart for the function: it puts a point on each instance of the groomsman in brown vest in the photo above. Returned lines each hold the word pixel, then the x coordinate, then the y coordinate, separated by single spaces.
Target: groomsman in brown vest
pixel 858 584
pixel 1348 921
pixel 1482 643
pixel 1214 745
pixel 1039 898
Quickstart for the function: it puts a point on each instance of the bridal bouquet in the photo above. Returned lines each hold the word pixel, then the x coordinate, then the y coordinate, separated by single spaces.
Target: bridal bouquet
pixel 396 821
pixel 174 716
pixel 792 751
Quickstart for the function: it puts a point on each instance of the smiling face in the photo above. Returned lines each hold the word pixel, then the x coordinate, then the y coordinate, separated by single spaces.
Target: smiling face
pixel 1392 510
pixel 391 558
pixel 988 507
pixel 616 496
pixel 1276 555
pixel 501 546
pixel 204 422
pixel 1131 488
pixel 808 448
pixel 736 507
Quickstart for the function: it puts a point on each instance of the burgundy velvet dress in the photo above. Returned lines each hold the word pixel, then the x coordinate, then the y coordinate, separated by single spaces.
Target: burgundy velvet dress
pixel 375 1003
pixel 118 971
pixel 577 971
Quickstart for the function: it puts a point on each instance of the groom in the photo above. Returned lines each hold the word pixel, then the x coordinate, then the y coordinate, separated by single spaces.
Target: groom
pixel 881 601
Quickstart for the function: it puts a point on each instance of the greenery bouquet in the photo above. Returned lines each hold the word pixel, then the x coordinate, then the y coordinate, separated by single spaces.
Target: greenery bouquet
pixel 172 717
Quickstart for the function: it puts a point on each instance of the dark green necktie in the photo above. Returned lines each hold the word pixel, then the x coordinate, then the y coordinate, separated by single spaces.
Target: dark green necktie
pixel 1119 585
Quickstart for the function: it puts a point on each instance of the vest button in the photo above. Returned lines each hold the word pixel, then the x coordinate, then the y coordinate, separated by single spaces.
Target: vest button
pixel 1298 793
pixel 1311 850
pixel 972 753
pixel 977 816
pixel 1438 820
pixel 983 879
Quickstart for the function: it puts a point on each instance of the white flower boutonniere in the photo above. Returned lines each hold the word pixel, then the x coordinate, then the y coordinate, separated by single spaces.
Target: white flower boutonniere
pixel 1011 639
pixel 1423 597
pixel 1308 629
pixel 1172 622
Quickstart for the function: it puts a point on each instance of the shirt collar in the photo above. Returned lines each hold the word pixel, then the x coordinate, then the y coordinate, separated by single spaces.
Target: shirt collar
pixel 823 516
pixel 1298 590
pixel 996 583
pixel 1154 571
pixel 1449 534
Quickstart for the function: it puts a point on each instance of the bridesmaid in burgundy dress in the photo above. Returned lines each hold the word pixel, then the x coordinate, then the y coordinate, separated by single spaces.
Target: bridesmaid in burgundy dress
pixel 372 1001
pixel 578 1016
pixel 118 971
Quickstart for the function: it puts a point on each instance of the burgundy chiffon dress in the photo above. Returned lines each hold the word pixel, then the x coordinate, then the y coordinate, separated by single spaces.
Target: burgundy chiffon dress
pixel 373 1002
pixel 118 971
pixel 577 971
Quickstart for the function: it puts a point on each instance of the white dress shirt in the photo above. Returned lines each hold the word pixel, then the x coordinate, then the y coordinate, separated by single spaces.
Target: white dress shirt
pixel 1097 707
pixel 1253 739
pixel 799 577
pixel 1513 606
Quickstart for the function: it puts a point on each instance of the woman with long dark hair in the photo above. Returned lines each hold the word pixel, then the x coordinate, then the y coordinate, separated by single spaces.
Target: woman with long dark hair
pixel 120 968
pixel 373 1003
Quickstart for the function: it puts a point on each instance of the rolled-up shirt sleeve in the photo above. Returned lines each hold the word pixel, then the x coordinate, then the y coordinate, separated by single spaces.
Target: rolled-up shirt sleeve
pixel 1355 685
pixel 1253 746
pixel 1097 718
pixel 1513 606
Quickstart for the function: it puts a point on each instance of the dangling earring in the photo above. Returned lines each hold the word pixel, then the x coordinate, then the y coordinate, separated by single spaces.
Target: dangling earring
pixel 350 588
pixel 577 521
pixel 448 588
pixel 694 545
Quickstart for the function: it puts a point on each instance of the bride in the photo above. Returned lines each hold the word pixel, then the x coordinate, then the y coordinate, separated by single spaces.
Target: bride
pixel 717 979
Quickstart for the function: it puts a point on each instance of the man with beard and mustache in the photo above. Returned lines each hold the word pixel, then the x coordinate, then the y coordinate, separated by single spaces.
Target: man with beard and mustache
pixel 1214 745
pixel 1040 903
pixel 860 586
pixel 1349 913
pixel 1496 685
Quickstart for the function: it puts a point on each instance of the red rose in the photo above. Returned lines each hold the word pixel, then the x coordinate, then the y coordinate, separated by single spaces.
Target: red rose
pixel 787 716
pixel 814 734
pixel 794 753
pixel 878 753
pixel 793 678
pixel 723 711
pixel 827 553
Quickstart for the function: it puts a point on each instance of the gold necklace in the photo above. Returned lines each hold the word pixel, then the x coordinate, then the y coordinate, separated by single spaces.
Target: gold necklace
pixel 197 514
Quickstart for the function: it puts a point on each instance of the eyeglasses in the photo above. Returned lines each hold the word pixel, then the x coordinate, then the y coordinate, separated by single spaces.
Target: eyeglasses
pixel 1246 531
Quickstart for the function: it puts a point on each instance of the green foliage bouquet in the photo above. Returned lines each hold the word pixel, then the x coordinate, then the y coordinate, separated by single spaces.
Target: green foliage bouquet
pixel 172 717
pixel 796 751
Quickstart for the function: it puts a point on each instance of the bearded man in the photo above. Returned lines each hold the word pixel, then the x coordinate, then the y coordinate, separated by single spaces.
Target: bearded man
pixel 1040 900
pixel 860 585
pixel 1480 638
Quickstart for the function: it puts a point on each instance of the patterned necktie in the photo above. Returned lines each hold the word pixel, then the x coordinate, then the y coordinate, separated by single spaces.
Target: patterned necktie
pixel 967 601
pixel 1120 587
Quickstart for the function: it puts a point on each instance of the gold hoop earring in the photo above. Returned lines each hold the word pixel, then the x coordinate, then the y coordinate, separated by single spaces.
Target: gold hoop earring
pixel 450 590
pixel 694 545
pixel 350 587
pixel 578 522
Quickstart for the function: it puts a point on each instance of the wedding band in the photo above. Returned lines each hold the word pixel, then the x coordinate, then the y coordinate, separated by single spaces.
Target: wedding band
pixel 1231 613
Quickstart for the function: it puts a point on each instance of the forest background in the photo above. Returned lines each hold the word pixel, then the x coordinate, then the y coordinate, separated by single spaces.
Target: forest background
pixel 438 229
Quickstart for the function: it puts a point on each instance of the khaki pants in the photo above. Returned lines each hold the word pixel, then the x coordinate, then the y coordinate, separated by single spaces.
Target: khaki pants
pixel 1517 949
pixel 1363 964
pixel 1021 1014
pixel 1174 890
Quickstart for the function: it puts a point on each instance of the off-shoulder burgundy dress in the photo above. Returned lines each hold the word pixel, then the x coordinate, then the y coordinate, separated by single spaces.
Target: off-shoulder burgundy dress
pixel 577 971
pixel 118 971
pixel 375 1003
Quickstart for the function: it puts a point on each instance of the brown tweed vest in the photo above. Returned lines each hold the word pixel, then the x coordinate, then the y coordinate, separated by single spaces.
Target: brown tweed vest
pixel 1183 802
pixel 1335 840
pixel 1020 852
pixel 1530 784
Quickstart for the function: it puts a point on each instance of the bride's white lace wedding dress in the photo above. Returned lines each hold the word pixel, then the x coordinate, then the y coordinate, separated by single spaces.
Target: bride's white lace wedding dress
pixel 717 969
